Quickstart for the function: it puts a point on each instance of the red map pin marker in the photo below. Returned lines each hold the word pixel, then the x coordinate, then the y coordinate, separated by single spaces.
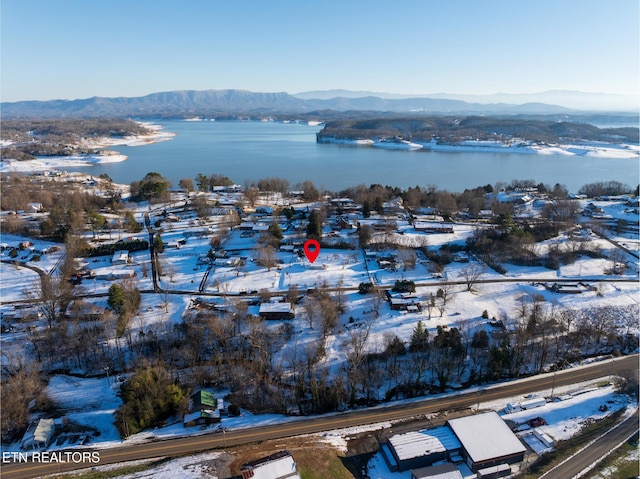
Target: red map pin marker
pixel 311 250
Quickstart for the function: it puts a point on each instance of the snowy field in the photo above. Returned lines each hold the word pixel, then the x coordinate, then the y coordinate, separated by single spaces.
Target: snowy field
pixel 92 402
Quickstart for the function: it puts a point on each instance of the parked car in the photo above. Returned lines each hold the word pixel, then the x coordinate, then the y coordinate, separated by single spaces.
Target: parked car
pixel 537 421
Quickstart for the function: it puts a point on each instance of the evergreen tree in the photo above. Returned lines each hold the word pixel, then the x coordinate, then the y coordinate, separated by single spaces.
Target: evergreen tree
pixel 116 297
pixel 157 243
pixel 366 209
pixel 419 338
pixel 314 227
pixel 130 223
pixel 275 231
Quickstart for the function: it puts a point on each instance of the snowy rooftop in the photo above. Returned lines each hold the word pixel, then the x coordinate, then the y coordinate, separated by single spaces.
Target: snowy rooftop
pixel 276 308
pixel 486 436
pixel 441 471
pixel 428 441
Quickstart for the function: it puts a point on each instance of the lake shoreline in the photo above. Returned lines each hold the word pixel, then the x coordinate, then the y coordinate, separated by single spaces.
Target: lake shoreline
pixel 594 149
pixel 247 151
pixel 45 163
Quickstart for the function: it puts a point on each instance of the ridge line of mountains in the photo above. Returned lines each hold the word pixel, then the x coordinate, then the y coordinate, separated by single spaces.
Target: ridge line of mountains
pixel 212 103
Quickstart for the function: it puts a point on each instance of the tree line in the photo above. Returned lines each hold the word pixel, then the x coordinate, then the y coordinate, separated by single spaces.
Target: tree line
pixel 454 129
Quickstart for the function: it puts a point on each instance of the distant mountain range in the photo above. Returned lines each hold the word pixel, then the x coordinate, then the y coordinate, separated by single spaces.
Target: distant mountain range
pixel 575 100
pixel 216 103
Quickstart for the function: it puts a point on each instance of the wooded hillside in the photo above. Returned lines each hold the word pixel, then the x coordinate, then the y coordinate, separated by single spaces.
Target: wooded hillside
pixel 454 129
pixel 44 137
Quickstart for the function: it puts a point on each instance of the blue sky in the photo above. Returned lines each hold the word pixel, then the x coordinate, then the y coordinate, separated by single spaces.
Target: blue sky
pixel 81 48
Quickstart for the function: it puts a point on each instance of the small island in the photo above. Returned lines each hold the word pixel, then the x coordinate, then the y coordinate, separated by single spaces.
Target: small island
pixel 455 133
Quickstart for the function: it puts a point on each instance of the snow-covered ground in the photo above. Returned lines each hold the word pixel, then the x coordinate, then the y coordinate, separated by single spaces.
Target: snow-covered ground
pixel 189 467
pixel 564 419
pixel 46 163
pixel 595 149
pixel 91 402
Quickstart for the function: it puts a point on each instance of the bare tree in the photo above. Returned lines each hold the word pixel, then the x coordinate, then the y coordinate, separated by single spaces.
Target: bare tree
pixel 186 184
pixel 445 292
pixel 471 274
pixel 20 385
pixel 408 258
pixel 267 256
pixel 251 195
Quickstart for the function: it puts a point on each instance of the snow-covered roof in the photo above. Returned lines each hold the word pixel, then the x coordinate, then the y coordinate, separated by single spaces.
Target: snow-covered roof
pixel 120 256
pixel 276 308
pixel 276 466
pixel 441 471
pixel 38 433
pixel 425 442
pixel 208 413
pixel 486 436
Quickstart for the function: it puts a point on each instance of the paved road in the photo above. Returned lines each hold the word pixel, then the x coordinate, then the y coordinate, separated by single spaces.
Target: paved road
pixel 193 444
pixel 596 451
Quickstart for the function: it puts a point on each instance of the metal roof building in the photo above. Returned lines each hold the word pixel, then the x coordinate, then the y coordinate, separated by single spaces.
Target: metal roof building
pixel 420 449
pixel 487 441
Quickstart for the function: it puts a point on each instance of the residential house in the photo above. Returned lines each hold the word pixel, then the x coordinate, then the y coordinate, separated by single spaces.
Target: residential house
pixel 203 417
pixel 120 257
pixel 280 465
pixel 275 311
pixel 38 434
pixel 431 227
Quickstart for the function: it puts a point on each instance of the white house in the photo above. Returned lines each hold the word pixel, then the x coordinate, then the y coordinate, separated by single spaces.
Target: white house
pixel 276 466
pixel 39 434
pixel 120 257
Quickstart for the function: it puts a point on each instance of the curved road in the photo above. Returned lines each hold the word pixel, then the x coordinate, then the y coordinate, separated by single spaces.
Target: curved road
pixel 594 452
pixel 193 444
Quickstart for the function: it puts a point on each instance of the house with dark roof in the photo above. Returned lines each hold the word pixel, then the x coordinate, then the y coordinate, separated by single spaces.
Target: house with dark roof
pixel 203 417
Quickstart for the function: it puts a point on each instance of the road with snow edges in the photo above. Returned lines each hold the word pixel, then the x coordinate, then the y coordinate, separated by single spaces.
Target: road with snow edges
pixel 194 444
pixel 583 461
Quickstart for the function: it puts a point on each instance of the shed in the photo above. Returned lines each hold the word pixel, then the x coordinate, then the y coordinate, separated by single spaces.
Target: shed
pixel 487 441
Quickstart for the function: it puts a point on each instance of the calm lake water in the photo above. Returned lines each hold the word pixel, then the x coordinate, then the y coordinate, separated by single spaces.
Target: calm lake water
pixel 253 150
